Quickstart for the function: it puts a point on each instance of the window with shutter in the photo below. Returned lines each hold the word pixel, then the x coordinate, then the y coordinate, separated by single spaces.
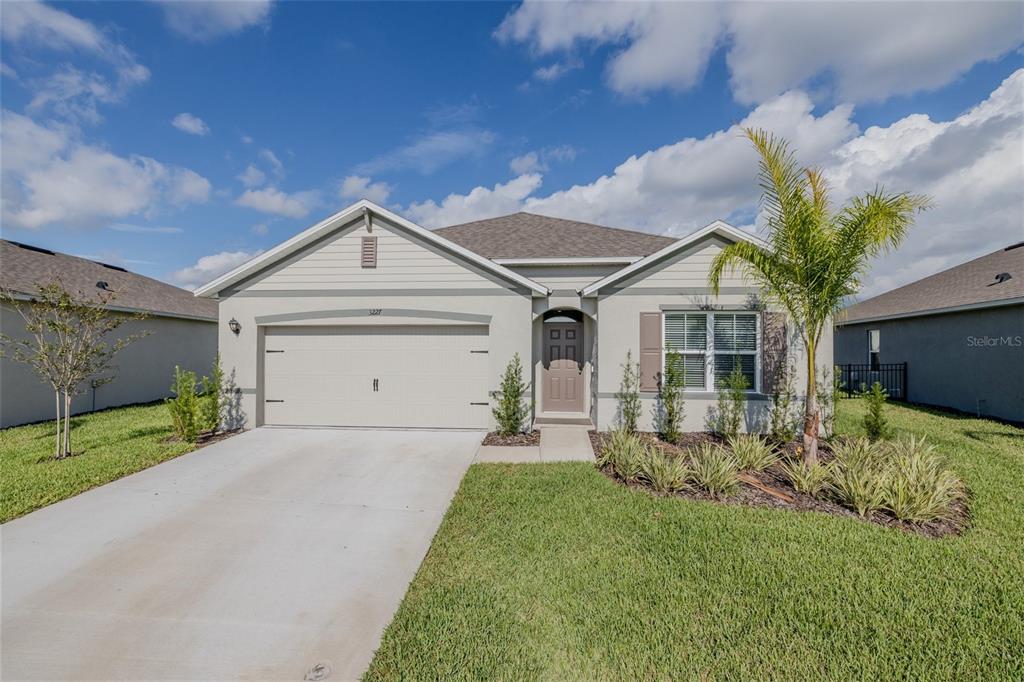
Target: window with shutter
pixel 710 345
pixel 736 344
pixel 687 334
pixel 369 252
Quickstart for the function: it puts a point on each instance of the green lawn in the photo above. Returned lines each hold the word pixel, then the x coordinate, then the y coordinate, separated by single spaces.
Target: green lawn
pixel 113 443
pixel 553 571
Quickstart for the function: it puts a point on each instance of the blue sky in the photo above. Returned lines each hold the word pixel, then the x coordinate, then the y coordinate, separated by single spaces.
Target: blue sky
pixel 180 139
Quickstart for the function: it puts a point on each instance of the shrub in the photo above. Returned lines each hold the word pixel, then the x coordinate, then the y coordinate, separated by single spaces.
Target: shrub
pixel 511 411
pixel 919 488
pixel 810 479
pixel 876 425
pixel 782 419
pixel 670 407
pixel 624 452
pixel 714 469
pixel 732 402
pixel 857 476
pixel 211 400
pixel 184 406
pixel 629 394
pixel 752 453
pixel 663 472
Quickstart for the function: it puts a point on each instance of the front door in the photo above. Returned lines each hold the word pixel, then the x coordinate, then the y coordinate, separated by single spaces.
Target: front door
pixel 563 367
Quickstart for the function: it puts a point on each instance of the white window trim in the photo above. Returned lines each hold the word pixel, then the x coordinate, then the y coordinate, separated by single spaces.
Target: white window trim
pixel 709 350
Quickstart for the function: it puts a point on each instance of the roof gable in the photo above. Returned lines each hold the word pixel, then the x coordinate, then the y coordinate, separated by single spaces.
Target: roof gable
pixel 966 285
pixel 718 227
pixel 361 209
pixel 528 236
pixel 25 268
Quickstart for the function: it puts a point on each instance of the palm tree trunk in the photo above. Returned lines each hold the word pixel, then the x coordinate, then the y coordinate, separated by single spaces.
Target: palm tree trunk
pixel 811 417
pixel 56 446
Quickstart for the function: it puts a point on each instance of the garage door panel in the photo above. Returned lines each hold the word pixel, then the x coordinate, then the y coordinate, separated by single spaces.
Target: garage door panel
pixel 426 376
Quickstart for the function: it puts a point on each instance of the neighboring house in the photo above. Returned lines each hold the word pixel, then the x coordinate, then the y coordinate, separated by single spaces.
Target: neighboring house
pixel 184 332
pixel 961 333
pixel 367 319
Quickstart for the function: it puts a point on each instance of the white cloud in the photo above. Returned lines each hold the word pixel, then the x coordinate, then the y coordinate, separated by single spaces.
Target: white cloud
pixel 188 187
pixel 972 166
pixel 7 71
pixel 535 161
pixel 206 20
pixel 274 201
pixel 34 22
pixel 50 177
pixel 73 93
pixel 481 202
pixel 869 50
pixel 553 72
pixel 209 268
pixel 275 163
pixel 246 139
pixel 260 229
pixel 527 163
pixel 193 125
pixel 252 176
pixel 431 152
pixel 359 187
pixel 144 229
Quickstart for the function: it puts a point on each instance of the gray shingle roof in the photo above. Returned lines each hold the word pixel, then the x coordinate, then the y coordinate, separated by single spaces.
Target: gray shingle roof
pixel 24 268
pixel 528 235
pixel 971 283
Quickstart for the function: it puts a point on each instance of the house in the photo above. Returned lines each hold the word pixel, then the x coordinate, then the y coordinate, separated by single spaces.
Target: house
pixel 183 332
pixel 367 319
pixel 960 333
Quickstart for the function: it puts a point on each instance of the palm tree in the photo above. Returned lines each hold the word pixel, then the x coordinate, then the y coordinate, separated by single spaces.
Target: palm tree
pixel 815 256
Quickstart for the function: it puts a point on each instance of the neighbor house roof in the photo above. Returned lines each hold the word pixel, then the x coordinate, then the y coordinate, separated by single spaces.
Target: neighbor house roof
pixel 532 236
pixel 23 268
pixel 973 284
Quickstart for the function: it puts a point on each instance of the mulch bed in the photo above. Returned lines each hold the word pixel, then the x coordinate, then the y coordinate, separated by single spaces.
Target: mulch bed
pixel 520 439
pixel 206 437
pixel 748 495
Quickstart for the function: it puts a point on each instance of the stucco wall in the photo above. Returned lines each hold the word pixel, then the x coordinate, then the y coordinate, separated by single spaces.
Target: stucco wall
pixel 680 283
pixel 971 361
pixel 145 369
pixel 402 290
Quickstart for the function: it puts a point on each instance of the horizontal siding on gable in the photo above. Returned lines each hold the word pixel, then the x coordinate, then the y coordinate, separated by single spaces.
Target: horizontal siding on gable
pixel 401 264
pixel 564 277
pixel 690 269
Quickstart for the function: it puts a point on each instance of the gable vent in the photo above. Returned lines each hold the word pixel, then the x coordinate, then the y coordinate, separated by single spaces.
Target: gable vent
pixel 368 254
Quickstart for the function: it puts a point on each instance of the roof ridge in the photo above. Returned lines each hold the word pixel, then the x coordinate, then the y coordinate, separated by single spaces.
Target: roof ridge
pixel 551 217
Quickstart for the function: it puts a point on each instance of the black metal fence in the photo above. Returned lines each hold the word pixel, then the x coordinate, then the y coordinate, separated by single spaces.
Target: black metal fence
pixel 892 376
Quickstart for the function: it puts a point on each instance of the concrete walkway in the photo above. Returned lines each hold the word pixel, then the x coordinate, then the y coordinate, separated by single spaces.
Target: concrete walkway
pixel 258 557
pixel 557 444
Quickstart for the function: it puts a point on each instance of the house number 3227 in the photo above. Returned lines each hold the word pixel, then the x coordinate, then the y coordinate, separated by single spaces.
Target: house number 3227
pixel 374 311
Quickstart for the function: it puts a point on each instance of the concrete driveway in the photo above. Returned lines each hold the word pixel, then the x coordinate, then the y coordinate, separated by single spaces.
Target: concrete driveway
pixel 258 557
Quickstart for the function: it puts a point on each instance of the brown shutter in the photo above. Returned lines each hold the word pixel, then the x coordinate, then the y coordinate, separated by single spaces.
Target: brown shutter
pixel 774 354
pixel 650 351
pixel 369 252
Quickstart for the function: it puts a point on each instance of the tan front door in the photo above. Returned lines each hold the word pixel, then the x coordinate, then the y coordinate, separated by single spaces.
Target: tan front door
pixel 563 367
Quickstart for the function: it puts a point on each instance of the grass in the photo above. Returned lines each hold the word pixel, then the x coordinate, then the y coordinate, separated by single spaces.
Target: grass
pixel 113 443
pixel 554 571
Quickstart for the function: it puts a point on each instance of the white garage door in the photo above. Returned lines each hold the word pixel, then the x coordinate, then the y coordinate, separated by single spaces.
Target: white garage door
pixel 376 376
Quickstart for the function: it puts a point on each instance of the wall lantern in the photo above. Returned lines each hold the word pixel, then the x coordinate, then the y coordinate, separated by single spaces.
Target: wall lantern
pixel 234 326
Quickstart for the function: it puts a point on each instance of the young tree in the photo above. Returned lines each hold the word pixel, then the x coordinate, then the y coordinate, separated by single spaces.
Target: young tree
pixel 732 401
pixel 67 344
pixel 629 394
pixel 815 255
pixel 671 406
pixel 511 410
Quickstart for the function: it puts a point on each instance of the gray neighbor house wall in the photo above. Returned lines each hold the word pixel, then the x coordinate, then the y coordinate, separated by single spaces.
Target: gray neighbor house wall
pixel 960 331
pixel 972 361
pixel 182 331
